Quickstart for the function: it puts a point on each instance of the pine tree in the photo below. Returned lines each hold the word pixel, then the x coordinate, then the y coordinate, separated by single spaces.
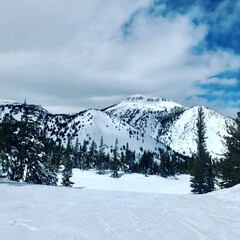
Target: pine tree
pixel 146 163
pixel 9 161
pixel 67 171
pixel 53 158
pixel 84 156
pixel 202 177
pixel 23 152
pixel 76 154
pixel 163 171
pixel 173 163
pixel 128 161
pixel 115 161
pixel 101 158
pixel 230 166
pixel 92 155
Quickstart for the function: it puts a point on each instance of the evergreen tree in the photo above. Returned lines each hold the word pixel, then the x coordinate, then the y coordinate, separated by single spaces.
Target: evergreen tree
pixel 23 152
pixel 146 163
pixel 9 152
pixel 92 155
pixel 115 161
pixel 202 178
pixel 229 167
pixel 101 157
pixel 76 154
pixel 165 162
pixel 128 160
pixel 173 163
pixel 67 171
pixel 84 164
pixel 53 158
pixel 32 150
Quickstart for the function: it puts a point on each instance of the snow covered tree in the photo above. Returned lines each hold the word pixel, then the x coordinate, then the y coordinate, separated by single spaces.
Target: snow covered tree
pixel 230 166
pixel 52 159
pixel 10 164
pixel 202 177
pixel 23 153
pixel 32 150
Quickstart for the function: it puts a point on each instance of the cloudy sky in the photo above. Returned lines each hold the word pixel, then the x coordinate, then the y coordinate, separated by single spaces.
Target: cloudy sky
pixel 72 55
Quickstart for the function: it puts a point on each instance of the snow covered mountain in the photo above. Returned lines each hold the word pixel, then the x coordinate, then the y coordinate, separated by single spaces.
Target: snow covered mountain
pixel 87 125
pixel 93 124
pixel 142 122
pixel 171 123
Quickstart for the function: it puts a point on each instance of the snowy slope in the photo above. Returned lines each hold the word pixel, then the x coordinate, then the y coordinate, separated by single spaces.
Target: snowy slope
pixel 92 124
pixel 181 134
pixel 86 125
pixel 37 212
pixel 172 124
pixel 145 113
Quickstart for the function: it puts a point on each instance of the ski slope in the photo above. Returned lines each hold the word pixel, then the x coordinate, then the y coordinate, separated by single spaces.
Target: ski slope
pixel 36 212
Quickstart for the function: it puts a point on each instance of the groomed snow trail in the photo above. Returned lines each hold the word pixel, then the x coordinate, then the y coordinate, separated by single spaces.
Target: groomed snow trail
pixel 33 212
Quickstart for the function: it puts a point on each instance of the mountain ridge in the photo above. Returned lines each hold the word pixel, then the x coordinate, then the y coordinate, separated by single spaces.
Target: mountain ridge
pixel 144 122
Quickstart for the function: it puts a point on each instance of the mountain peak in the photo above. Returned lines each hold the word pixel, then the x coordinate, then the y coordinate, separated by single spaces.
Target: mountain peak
pixel 142 98
pixel 144 102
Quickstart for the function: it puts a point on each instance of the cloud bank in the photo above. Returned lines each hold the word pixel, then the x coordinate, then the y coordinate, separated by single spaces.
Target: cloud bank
pixel 68 56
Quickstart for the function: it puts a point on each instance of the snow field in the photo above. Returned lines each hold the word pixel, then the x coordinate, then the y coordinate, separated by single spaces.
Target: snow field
pixel 37 212
pixel 131 182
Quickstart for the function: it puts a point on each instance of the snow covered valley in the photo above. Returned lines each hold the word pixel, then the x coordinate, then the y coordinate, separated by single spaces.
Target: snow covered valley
pixel 139 208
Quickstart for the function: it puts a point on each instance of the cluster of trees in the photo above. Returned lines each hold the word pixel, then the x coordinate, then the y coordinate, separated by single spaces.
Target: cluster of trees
pixel 27 154
pixel 204 170
pixel 91 156
pixel 23 155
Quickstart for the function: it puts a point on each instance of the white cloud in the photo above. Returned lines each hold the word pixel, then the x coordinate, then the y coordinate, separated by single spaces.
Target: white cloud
pixel 220 81
pixel 62 54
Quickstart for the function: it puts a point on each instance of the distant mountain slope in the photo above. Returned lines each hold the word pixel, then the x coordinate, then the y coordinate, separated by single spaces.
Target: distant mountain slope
pixel 143 122
pixel 92 124
pixel 147 114
pixel 171 123
pixel 87 125
pixel 181 134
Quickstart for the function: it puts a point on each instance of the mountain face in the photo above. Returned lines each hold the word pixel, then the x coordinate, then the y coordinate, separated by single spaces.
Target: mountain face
pixel 87 125
pixel 171 123
pixel 142 122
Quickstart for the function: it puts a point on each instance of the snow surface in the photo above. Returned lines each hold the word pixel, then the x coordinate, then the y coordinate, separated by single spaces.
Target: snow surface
pixel 37 212
pixel 131 182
